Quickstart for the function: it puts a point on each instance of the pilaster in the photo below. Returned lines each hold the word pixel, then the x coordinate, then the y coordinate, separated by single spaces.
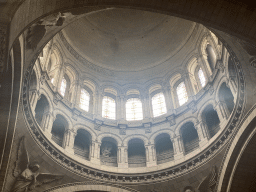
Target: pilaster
pixel 123 157
pixel 69 140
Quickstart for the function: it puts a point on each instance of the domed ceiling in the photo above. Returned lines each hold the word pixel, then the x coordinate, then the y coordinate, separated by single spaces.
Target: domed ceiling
pixel 128 40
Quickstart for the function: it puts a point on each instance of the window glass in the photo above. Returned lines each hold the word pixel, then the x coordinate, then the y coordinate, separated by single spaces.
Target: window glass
pixel 63 86
pixel 182 93
pixel 84 100
pixel 201 77
pixel 158 104
pixel 134 109
pixel 108 108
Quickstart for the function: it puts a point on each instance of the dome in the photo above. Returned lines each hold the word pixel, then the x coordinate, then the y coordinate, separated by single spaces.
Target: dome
pixel 117 72
pixel 128 40
pixel 126 96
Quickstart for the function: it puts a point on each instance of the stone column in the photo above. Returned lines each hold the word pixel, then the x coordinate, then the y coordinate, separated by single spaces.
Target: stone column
pixel 178 147
pixel 95 152
pixel 188 85
pixel 202 132
pixel 98 96
pixel 147 107
pixel 77 96
pixel 34 97
pixel 168 98
pixel 74 88
pixel 233 87
pixel 47 122
pixel 121 107
pixel 205 68
pixel 69 140
pixel 222 111
pixel 48 56
pixel 150 155
pixel 58 75
pixel 123 157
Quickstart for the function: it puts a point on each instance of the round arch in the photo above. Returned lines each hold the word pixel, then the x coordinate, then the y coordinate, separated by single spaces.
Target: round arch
pixel 130 137
pixel 113 136
pixel 190 119
pixel 86 128
pixel 155 134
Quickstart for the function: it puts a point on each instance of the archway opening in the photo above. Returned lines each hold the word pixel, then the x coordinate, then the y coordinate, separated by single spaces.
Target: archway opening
pixel 136 153
pixel 42 108
pixel 190 137
pixel 58 129
pixel 164 148
pixel 226 97
pixel 108 152
pixel 211 119
pixel 82 144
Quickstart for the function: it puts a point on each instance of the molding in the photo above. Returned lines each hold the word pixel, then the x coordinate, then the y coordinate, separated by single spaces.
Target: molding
pixel 167 174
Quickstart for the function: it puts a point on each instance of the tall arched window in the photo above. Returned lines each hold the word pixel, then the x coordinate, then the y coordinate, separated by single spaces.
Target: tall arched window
pixel 63 86
pixel 201 77
pixel 158 104
pixel 182 93
pixel 134 109
pixel 108 108
pixel 84 100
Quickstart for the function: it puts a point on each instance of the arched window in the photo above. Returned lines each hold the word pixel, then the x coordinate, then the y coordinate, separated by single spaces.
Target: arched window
pixel 63 86
pixel 84 100
pixel 201 77
pixel 134 109
pixel 158 104
pixel 108 108
pixel 182 93
pixel 211 56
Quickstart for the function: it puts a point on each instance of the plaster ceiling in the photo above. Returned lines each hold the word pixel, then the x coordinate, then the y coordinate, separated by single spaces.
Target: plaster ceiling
pixel 126 39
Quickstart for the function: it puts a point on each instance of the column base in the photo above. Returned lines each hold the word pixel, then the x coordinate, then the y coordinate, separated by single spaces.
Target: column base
pixel 203 142
pixel 70 151
pixel 178 156
pixel 123 165
pixel 151 164
pixel 95 160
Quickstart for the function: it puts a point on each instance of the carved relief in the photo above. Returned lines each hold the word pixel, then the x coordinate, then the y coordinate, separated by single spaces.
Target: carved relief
pixel 37 31
pixel 27 174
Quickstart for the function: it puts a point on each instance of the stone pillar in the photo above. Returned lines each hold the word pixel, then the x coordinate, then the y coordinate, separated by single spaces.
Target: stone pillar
pixel 48 56
pixel 74 88
pixel 123 157
pixel 95 152
pixel 202 132
pixel 188 85
pixel 146 106
pixel 222 111
pixel 69 140
pixel 34 97
pixel 98 96
pixel 204 62
pixel 121 100
pixel 58 75
pixel 150 155
pixel 168 99
pixel 233 87
pixel 47 122
pixel 178 147
pixel 77 96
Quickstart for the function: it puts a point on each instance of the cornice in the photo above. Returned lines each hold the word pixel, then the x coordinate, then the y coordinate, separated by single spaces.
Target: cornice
pixel 157 176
